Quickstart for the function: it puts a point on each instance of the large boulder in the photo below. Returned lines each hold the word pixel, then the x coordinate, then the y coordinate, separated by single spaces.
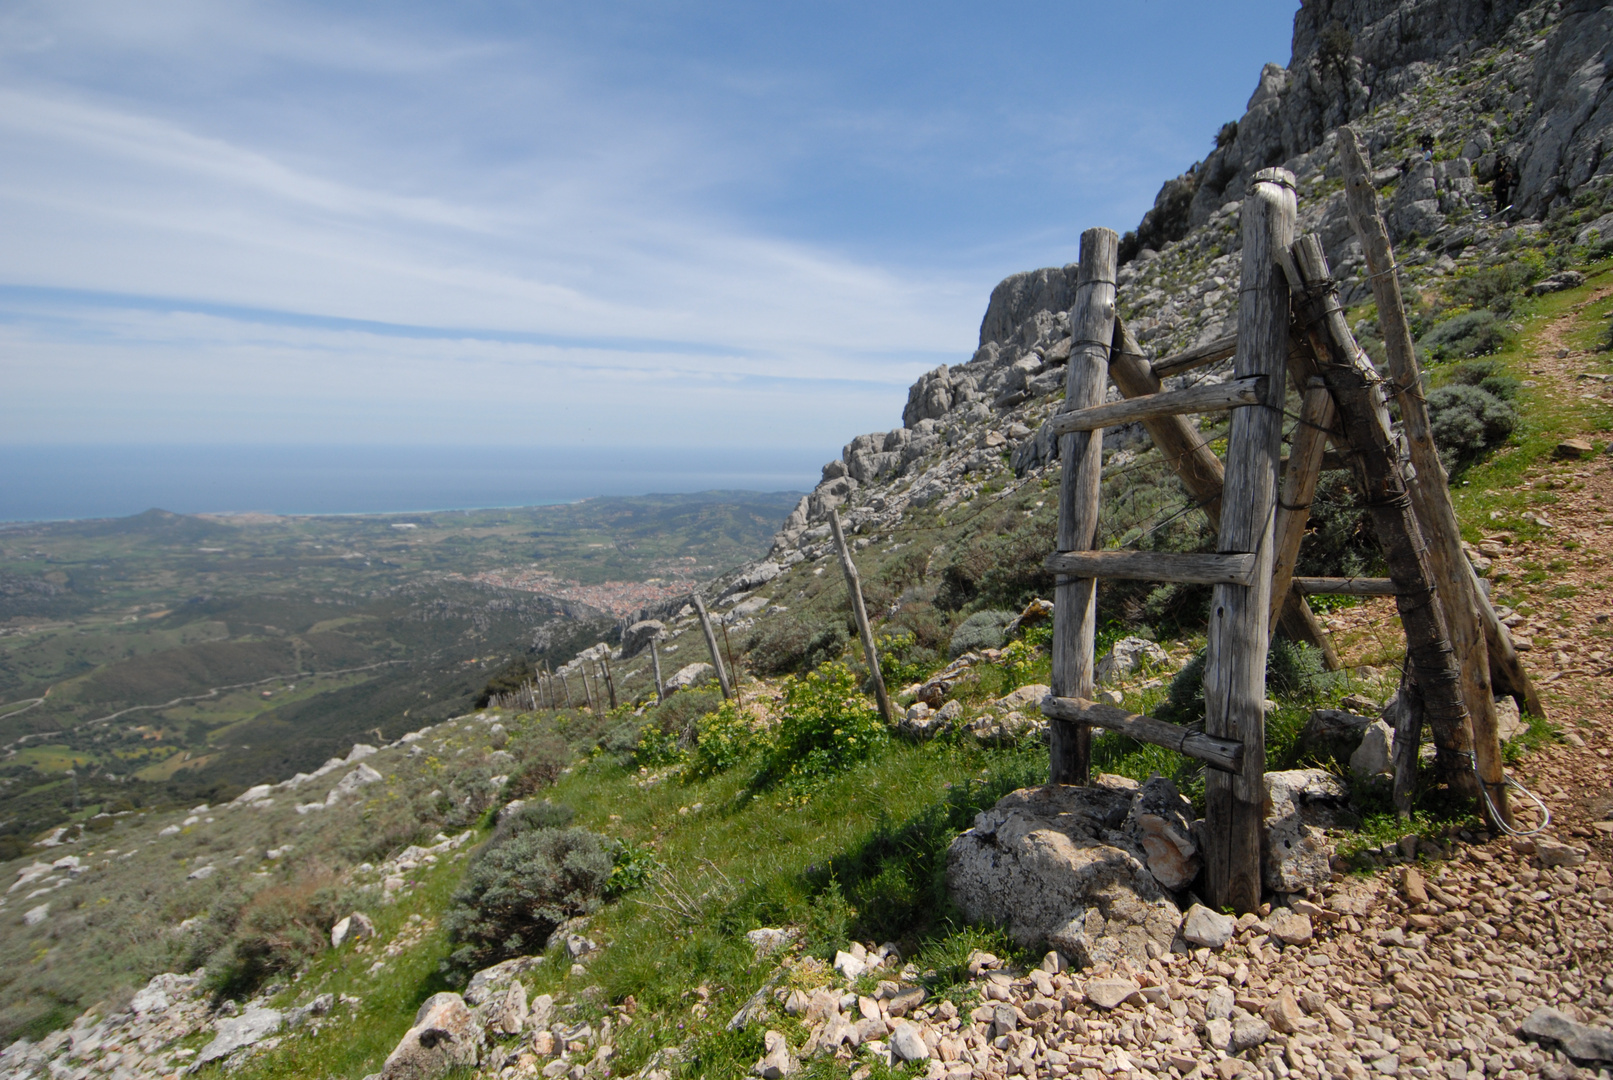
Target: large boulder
pixel 1300 803
pixel 1332 735
pixel 1161 822
pixel 637 638
pixel 445 1036
pixel 252 1026
pixel 1055 865
pixel 689 675
pixel 1126 656
pixel 350 783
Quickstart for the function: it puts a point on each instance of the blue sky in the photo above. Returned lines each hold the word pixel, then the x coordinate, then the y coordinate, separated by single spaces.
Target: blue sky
pixel 490 224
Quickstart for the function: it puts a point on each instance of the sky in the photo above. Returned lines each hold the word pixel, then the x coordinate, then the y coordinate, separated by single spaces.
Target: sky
pixel 669 226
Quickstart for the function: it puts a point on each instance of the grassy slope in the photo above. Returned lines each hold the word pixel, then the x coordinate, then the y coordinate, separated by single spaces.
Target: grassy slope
pixel 862 856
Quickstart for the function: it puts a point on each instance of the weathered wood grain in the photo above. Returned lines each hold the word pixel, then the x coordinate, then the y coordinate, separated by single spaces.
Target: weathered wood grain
pixel 854 586
pixel 1188 569
pixel 1195 399
pixel 1092 321
pixel 1223 754
pixel 1459 591
pixel 711 644
pixel 1235 669
pixel 1196 357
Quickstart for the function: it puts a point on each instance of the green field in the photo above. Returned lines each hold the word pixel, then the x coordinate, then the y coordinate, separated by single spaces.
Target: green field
pixel 170 659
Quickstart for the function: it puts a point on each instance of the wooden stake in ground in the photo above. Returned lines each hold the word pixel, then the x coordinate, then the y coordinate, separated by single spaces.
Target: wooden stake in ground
pixel 854 586
pixel 590 691
pixel 610 683
pixel 1235 666
pixel 1075 600
pixel 564 685
pixel 1459 590
pixel 733 668
pixel 1364 416
pixel 711 643
pixel 655 660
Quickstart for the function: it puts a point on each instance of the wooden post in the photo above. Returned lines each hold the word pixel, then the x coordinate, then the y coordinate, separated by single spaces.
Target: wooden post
pixel 1201 472
pixel 1235 668
pixel 590 691
pixel 733 668
pixel 1363 412
pixel 655 659
pixel 1075 600
pixel 1430 488
pixel 1299 487
pixel 610 683
pixel 566 686
pixel 711 643
pixel 865 630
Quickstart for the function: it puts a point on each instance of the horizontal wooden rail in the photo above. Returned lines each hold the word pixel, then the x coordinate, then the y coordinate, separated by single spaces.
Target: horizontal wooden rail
pixel 1195 399
pixel 1155 566
pixel 1223 754
pixel 1347 586
pixel 1196 357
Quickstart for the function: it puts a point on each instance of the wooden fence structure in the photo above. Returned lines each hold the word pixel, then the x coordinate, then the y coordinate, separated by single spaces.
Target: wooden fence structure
pixel 1291 330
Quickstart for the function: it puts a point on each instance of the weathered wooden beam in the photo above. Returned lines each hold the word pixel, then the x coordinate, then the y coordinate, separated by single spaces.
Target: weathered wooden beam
pixel 1235 665
pixel 1092 324
pixel 1358 395
pixel 1299 487
pixel 655 659
pixel 1223 754
pixel 1196 357
pixel 1195 399
pixel 711 644
pixel 1184 569
pixel 865 631
pixel 1459 590
pixel 1346 586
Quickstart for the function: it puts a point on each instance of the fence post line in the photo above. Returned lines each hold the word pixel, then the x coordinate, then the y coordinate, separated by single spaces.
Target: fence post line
pixel 711 643
pixel 865 630
pixel 1235 669
pixel 655 659
pixel 1092 325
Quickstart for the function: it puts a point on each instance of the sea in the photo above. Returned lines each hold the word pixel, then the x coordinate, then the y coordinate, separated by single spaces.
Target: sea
pixel 55 483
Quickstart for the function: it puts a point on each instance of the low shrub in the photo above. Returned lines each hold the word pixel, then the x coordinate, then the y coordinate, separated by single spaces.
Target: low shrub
pixel 723 739
pixel 542 757
pixel 518 891
pixel 1294 672
pixel 275 931
pixel 1467 422
pixel 791 644
pixel 1472 333
pixel 633 866
pixel 902 660
pixel 982 630
pixel 827 725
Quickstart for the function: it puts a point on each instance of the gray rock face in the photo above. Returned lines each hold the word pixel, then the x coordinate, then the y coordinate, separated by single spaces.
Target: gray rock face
pixel 1374 756
pixel 1206 928
pixel 929 398
pixel 1161 821
pixel 350 784
pixel 637 638
pixel 445 1036
pixel 489 982
pixel 1126 656
pixel 1055 865
pixel 1579 1041
pixel 356 926
pixel 1332 734
pixel 1300 803
pixel 688 676
pixel 252 1026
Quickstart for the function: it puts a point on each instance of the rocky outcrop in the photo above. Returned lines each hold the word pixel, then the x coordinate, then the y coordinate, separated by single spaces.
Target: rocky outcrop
pixel 1054 865
pixel 445 1036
